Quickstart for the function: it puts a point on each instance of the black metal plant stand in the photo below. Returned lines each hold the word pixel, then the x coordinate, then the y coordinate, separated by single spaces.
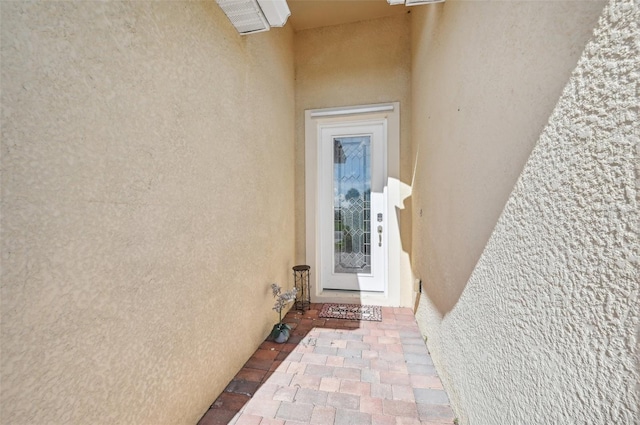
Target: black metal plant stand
pixel 301 282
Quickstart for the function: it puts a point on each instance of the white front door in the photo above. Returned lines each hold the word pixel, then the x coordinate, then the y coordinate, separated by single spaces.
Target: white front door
pixel 352 205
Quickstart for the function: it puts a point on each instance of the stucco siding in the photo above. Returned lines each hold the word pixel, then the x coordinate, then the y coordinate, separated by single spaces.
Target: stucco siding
pixel 147 204
pixel 546 328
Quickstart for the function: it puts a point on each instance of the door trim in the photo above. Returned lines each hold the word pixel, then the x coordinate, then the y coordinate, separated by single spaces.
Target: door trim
pixel 390 112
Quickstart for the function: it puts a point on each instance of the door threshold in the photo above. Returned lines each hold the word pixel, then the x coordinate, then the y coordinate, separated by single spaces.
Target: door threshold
pixel 352 297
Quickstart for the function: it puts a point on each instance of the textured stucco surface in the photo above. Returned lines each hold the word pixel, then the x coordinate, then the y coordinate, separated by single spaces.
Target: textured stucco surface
pixel 484 82
pixel 147 204
pixel 547 328
pixel 354 64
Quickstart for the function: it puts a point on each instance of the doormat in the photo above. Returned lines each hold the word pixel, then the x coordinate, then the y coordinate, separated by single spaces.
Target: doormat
pixel 371 313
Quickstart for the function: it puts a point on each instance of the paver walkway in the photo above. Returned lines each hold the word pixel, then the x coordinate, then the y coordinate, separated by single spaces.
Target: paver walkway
pixel 334 371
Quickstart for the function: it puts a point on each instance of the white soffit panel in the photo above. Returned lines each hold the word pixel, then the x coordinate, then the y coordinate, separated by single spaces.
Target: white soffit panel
pixel 276 11
pixel 245 15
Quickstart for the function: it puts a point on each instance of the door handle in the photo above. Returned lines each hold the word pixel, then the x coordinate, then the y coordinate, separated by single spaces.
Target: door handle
pixel 379 235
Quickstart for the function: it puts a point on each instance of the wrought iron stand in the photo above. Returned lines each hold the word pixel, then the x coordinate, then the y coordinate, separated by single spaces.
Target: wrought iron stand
pixel 301 282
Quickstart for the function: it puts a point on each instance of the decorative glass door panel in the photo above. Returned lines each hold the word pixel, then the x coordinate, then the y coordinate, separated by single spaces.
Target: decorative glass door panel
pixel 351 207
pixel 352 204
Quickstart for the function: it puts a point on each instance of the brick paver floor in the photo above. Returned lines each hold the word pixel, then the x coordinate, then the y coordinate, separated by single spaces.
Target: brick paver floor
pixel 335 372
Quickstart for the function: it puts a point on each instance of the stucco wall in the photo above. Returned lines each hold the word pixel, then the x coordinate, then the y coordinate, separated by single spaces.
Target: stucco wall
pixel 547 328
pixel 485 77
pixel 147 202
pixel 353 64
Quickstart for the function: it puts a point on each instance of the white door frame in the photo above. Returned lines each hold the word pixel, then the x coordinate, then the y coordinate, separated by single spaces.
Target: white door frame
pixel 314 119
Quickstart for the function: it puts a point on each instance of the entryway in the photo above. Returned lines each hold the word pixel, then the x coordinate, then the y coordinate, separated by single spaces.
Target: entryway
pixel 351 191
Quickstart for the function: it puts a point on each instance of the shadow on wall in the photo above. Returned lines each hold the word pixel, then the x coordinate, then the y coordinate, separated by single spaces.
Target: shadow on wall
pixel 484 84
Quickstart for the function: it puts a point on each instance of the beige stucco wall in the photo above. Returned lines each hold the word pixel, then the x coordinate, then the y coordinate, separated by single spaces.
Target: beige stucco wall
pixel 147 204
pixel 353 64
pixel 485 78
pixel 546 327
